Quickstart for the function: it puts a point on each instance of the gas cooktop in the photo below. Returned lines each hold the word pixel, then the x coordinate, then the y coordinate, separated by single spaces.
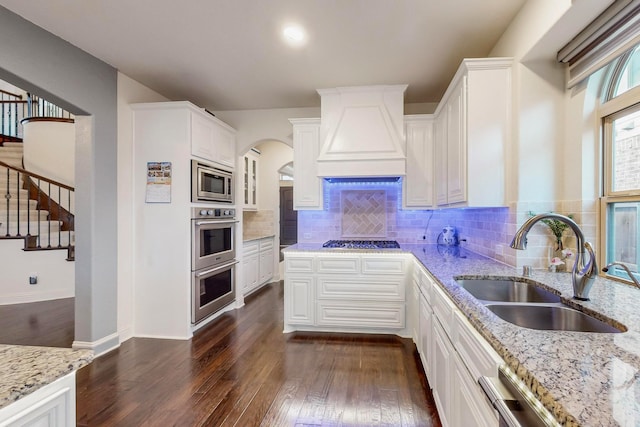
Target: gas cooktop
pixel 362 244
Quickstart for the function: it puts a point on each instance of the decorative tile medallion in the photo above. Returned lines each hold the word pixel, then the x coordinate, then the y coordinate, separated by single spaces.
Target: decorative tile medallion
pixel 364 213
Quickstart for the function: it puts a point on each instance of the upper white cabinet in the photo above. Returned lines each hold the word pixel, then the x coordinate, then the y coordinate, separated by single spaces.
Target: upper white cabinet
pixel 307 187
pixel 362 131
pixel 418 187
pixel 250 163
pixel 212 139
pixel 471 134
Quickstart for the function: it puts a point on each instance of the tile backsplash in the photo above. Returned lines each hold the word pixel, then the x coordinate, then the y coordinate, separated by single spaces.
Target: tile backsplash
pixel 352 210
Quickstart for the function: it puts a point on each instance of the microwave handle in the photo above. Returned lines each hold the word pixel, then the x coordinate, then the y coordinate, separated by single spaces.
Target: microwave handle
pixel 204 273
pixel 216 222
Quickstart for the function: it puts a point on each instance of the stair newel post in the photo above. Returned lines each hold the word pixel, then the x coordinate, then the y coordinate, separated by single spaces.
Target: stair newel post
pixel 59 218
pixel 28 181
pixel 8 197
pixel 18 203
pixel 38 245
pixel 49 217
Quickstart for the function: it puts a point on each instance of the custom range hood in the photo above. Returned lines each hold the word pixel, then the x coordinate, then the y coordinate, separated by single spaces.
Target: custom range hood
pixel 362 132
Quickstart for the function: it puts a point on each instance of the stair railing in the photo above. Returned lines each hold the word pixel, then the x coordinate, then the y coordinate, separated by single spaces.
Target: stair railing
pixel 13 109
pixel 47 195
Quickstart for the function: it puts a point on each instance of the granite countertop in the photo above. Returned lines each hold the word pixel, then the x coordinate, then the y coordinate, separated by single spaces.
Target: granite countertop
pixel 582 378
pixel 247 237
pixel 24 369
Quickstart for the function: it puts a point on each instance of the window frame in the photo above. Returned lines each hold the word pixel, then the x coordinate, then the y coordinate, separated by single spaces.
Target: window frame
pixel 613 108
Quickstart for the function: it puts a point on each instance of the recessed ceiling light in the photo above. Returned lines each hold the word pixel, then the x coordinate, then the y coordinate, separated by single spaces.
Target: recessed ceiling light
pixel 294 35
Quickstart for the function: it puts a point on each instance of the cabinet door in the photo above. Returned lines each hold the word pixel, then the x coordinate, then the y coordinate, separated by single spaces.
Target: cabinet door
pixel 457 144
pixel 440 369
pixel 202 137
pixel 414 312
pixel 250 271
pixel 299 301
pixel 426 336
pixel 224 143
pixel 266 265
pixel 440 157
pixel 250 181
pixel 307 188
pixel 470 406
pixel 418 183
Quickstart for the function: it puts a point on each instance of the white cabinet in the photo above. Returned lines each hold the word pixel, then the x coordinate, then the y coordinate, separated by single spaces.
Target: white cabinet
pixel 350 292
pixel 307 186
pixel 454 355
pixel 212 139
pixel 169 132
pixel 418 184
pixel 472 132
pixel 257 264
pixel 53 405
pixel 250 162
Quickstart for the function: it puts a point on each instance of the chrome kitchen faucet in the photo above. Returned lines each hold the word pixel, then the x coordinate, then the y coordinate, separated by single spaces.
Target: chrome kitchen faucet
pixel 583 275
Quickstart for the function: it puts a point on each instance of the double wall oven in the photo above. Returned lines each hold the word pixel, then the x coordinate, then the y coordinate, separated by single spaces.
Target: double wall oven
pixel 213 260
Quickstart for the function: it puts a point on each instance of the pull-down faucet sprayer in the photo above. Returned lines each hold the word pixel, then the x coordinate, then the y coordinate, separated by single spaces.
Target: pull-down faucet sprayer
pixel 582 275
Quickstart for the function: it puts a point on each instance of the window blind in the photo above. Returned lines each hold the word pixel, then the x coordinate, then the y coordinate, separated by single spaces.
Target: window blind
pixel 613 33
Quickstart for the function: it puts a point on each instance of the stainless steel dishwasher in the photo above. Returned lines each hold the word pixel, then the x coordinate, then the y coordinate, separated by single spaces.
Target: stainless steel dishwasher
pixel 516 405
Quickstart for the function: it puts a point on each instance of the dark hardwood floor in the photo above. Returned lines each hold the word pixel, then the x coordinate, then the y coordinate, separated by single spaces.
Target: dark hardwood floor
pixel 46 323
pixel 243 371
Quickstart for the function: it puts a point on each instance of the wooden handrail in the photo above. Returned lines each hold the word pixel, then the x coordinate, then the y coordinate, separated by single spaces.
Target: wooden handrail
pixel 16 101
pixel 36 176
pixel 46 119
pixel 11 94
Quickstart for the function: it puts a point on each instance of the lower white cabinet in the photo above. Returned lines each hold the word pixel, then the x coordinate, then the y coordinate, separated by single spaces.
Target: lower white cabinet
pixel 454 355
pixel 257 264
pixel 348 292
pixel 53 405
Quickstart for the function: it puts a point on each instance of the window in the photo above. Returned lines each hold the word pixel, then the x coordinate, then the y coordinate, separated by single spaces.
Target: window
pixel 621 189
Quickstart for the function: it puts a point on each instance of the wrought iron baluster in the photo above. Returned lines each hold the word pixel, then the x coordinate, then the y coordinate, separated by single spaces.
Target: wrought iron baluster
pixel 18 203
pixel 59 218
pixel 69 215
pixel 28 207
pixel 49 217
pixel 8 197
pixel 38 210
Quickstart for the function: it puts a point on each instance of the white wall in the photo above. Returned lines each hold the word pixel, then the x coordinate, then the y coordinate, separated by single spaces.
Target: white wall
pixel 274 155
pixel 47 140
pixel 55 274
pixel 129 92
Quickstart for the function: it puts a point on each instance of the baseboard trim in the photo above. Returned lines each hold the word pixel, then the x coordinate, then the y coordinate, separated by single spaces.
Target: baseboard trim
pixel 29 297
pixel 99 347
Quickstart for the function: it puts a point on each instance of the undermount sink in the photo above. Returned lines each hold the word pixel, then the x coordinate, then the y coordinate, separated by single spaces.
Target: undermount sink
pixel 529 306
pixel 507 290
pixel 550 317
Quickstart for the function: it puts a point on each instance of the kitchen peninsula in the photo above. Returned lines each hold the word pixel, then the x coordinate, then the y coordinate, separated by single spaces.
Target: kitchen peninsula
pixel 552 364
pixel 39 383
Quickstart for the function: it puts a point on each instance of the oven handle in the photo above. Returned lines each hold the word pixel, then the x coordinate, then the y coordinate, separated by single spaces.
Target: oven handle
pixel 211 222
pixel 203 273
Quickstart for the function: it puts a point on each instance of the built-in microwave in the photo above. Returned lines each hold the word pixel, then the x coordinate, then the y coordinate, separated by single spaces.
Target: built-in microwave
pixel 210 184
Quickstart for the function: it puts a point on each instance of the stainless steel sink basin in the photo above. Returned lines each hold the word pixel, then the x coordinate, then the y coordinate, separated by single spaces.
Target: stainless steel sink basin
pixel 550 317
pixel 507 291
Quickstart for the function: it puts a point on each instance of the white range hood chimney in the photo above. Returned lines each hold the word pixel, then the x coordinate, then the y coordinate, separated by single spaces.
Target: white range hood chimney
pixel 362 131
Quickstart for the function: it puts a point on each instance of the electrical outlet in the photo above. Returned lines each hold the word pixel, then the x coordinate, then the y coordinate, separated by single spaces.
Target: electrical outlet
pixel 307 235
pixel 33 278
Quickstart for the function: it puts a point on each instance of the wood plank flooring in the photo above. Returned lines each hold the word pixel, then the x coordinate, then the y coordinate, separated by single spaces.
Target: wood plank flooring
pixel 45 323
pixel 243 371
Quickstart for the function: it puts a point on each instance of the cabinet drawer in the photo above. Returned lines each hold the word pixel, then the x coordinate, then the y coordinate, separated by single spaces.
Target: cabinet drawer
pixel 476 353
pixel 360 315
pixel 298 265
pixel 426 284
pixel 383 265
pixel 373 289
pixel 341 265
pixel 250 248
pixel 443 309
pixel 266 244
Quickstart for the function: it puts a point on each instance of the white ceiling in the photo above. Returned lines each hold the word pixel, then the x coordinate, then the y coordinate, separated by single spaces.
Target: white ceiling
pixel 228 54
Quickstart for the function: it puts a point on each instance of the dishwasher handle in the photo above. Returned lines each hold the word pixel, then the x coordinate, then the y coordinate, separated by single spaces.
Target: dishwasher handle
pixel 498 397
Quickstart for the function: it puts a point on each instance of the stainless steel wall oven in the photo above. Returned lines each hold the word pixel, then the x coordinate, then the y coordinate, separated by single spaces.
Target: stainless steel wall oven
pixel 213 261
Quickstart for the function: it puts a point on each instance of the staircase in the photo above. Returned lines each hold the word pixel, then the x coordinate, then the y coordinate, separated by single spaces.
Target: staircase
pixel 33 208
